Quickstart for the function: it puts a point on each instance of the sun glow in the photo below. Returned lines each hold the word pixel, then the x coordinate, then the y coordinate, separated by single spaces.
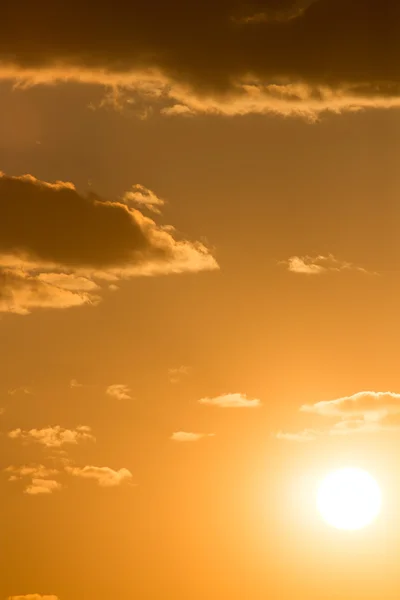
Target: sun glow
pixel 349 499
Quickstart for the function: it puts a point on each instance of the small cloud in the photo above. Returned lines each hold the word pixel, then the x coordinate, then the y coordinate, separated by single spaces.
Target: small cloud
pixel 42 486
pixel 113 288
pixel 141 196
pixel 184 436
pixel 307 435
pixel 19 390
pixel 75 384
pixel 54 437
pixel 231 401
pixel 104 476
pixel 318 265
pixel 33 597
pixel 119 391
pixel 176 374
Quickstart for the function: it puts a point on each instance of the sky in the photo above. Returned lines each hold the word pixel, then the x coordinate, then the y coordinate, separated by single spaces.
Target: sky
pixel 199 282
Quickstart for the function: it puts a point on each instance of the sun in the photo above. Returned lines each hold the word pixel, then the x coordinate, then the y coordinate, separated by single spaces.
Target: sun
pixel 349 499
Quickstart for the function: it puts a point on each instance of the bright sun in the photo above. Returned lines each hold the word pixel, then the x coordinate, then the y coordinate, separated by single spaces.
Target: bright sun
pixel 349 499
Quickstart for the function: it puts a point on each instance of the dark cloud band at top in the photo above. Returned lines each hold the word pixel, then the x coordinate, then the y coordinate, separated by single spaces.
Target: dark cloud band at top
pixel 228 57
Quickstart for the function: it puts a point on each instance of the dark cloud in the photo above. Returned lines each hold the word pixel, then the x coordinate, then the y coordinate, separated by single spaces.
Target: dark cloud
pixel 56 245
pixel 230 56
pixel 52 222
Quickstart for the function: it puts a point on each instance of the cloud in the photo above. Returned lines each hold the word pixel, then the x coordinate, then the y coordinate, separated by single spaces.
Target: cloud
pixel 39 478
pixel 176 374
pixel 371 406
pixel 75 384
pixel 33 597
pixel 19 390
pixel 54 437
pixel 42 486
pixel 290 58
pixel 104 476
pixel 34 471
pixel 307 435
pixel 361 426
pixel 21 292
pixel 184 436
pixel 119 391
pixel 363 412
pixel 318 265
pixel 41 268
pixel 231 401
pixel 141 196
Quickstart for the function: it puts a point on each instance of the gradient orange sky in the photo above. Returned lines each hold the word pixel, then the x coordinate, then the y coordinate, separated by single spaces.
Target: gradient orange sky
pixel 199 287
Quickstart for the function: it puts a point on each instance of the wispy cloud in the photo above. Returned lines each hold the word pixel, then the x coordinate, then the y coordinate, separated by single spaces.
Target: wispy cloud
pixel 371 406
pixel 34 471
pixel 75 384
pixel 53 437
pixel 104 476
pixel 139 195
pixel 176 374
pixel 184 436
pixel 19 390
pixel 33 597
pixel 236 400
pixel 318 265
pixel 119 391
pixel 364 412
pixel 307 435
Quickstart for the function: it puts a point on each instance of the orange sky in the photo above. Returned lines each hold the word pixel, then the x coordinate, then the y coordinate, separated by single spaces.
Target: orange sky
pixel 198 298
